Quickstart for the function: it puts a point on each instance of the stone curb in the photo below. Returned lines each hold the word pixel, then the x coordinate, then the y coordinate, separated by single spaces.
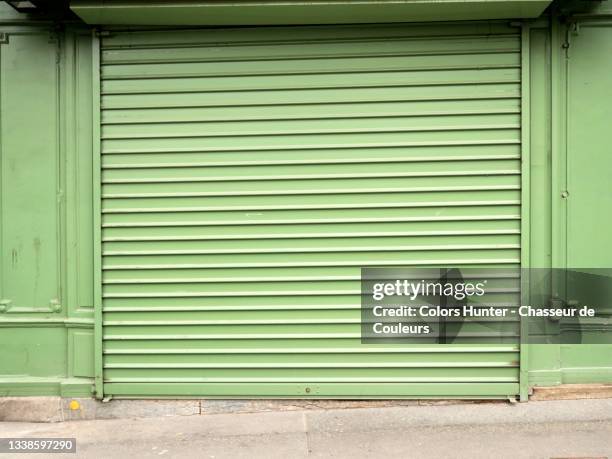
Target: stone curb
pixel 326 413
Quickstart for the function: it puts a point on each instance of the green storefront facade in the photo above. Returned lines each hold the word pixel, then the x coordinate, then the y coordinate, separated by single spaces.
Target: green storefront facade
pixel 189 191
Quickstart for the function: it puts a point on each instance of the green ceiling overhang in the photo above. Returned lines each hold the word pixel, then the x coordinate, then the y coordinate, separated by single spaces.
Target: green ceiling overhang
pixel 268 12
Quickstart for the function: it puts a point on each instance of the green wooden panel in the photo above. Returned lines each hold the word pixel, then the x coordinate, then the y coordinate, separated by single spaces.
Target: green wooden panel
pixel 589 160
pixel 589 186
pixel 29 174
pixel 45 208
pixel 267 12
pixel 247 176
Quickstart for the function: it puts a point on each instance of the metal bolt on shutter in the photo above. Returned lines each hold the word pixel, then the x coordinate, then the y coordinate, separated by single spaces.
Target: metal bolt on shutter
pixel 249 173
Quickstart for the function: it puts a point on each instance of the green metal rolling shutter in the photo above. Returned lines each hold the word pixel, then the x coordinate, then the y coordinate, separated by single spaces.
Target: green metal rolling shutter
pixel 249 173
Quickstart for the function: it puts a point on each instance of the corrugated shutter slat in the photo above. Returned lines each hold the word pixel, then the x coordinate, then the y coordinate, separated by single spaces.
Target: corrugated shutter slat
pixel 248 174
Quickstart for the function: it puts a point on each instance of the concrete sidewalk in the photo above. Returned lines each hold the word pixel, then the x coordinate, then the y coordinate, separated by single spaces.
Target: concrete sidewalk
pixel 576 429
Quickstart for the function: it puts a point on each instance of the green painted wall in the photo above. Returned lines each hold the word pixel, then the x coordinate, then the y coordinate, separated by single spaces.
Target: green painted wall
pixel 571 111
pixel 45 208
pixel 46 244
pixel 588 169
